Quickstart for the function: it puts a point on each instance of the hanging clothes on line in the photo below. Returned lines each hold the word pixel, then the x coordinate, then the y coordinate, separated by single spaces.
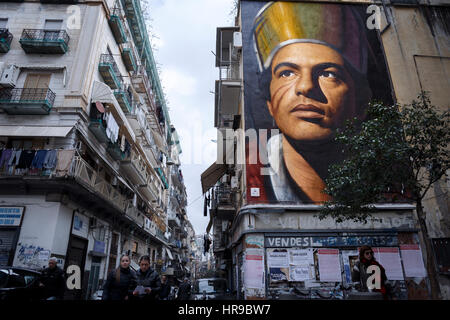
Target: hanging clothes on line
pixel 15 158
pixel 64 160
pixel 6 155
pixel 38 160
pixel 26 158
pixel 50 159
pixel 112 128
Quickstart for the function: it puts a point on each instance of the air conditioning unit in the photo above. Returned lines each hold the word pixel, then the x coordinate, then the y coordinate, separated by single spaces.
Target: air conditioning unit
pixel 9 76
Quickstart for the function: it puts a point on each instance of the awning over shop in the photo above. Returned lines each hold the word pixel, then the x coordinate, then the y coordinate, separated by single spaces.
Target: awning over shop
pixel 169 254
pixel 34 131
pixel 211 175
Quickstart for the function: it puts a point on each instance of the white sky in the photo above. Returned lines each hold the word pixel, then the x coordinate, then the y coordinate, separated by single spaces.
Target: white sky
pixel 185 35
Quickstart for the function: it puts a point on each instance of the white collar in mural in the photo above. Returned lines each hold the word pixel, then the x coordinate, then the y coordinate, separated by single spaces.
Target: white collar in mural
pixel 281 186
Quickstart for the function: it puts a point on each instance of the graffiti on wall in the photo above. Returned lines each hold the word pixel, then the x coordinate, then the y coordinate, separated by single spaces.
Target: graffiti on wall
pixel 31 256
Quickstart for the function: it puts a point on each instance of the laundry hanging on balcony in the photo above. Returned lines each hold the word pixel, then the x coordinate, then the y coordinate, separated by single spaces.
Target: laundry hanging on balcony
pixel 64 160
pixel 112 128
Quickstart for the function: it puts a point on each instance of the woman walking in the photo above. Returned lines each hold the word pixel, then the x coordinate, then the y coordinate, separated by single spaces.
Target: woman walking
pixel 360 274
pixel 120 282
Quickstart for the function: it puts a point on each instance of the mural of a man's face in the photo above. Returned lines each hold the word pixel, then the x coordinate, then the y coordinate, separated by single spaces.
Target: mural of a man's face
pixel 311 92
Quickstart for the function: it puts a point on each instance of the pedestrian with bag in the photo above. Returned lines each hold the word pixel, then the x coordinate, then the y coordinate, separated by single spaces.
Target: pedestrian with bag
pixel 360 273
pixel 120 282
pixel 148 281
pixel 52 281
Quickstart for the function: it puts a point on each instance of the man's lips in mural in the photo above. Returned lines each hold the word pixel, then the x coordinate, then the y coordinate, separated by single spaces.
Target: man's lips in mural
pixel 307 111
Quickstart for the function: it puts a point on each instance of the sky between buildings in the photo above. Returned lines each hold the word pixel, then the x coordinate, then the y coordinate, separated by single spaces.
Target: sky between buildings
pixel 183 35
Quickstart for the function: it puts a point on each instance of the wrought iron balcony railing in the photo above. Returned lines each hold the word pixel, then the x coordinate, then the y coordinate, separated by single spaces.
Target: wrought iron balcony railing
pixel 27 100
pixel 44 41
pixel 109 59
pixel 5 40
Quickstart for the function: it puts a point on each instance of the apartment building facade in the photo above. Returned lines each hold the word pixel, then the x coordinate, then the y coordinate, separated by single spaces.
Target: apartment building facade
pixel 87 142
pixel 268 239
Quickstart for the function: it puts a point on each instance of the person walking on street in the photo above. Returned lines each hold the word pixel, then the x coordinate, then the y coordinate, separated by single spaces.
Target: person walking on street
pixel 360 274
pixel 52 281
pixel 164 292
pixel 120 282
pixel 148 281
pixel 184 292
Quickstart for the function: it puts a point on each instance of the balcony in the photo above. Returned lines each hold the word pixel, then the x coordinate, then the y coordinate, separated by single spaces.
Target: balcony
pixel 223 203
pixel 87 176
pixel 163 177
pixel 173 220
pixel 128 59
pixel 114 151
pixel 117 29
pixel 26 101
pixel 135 167
pixel 44 41
pixel 135 215
pixel 98 129
pixel 124 99
pixel 5 40
pixel 109 71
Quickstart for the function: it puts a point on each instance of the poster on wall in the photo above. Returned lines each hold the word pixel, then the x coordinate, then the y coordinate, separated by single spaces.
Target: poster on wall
pixel 278 264
pixel 413 261
pixel 308 67
pixel 301 264
pixel 254 269
pixel 389 258
pixel 329 265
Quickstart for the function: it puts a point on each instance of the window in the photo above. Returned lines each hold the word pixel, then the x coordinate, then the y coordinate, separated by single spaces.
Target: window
pixel 3 23
pixel 52 28
pixel 16 281
pixel 442 253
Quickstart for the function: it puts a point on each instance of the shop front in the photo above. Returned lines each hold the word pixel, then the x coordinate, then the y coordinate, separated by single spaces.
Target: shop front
pixel 299 262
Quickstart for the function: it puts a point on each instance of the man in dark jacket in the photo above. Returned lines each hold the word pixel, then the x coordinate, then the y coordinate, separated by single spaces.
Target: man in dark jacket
pixel 148 280
pixel 165 289
pixel 52 280
pixel 184 292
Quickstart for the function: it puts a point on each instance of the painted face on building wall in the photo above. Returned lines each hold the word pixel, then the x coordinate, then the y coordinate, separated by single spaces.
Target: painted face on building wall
pixel 311 91
pixel 308 67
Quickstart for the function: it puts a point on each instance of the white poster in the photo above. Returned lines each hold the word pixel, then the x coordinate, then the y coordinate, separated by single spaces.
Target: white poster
pixel 254 269
pixel 413 261
pixel 277 259
pixel 300 273
pixel 389 258
pixel 301 257
pixel 329 265
pixel 44 255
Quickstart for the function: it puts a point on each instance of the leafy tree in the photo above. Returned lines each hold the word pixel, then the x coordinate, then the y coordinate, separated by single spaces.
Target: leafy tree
pixel 395 155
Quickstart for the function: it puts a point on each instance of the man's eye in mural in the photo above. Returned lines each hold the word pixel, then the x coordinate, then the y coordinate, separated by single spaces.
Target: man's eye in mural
pixel 286 74
pixel 329 74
